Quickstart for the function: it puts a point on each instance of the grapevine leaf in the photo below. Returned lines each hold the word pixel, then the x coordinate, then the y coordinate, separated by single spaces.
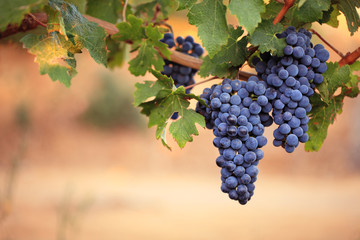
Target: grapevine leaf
pixel 322 115
pixel 149 56
pixel 348 8
pixel 183 129
pixel 209 17
pixel 80 4
pixel 158 8
pixel 352 89
pixel 333 21
pixel 308 12
pixel 146 57
pixel 208 67
pixel 154 36
pixel 159 89
pixel 131 30
pixel 55 22
pixel 271 10
pixel 52 55
pixel 330 16
pixel 326 105
pixel 167 100
pixel 264 36
pixel 12 11
pixel 334 78
pixel 80 31
pixel 235 51
pixel 105 10
pixel 248 13
pixel 185 4
pixel 117 52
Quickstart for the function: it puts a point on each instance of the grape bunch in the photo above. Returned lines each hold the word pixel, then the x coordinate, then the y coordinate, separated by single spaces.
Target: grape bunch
pixel 182 75
pixel 239 111
pixel 234 115
pixel 294 77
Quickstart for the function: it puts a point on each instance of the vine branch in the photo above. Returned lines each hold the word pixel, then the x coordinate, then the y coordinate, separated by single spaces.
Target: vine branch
pixel 32 21
pixel 288 4
pixel 350 58
pixel 111 29
pixel 327 43
pixel 201 82
pixel 37 20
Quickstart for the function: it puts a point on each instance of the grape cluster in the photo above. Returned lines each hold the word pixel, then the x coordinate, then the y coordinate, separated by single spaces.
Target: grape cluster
pixel 239 111
pixel 235 116
pixel 292 79
pixel 182 75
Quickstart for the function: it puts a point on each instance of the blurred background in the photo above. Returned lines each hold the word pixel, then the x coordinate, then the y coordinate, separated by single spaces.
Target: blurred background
pixel 80 163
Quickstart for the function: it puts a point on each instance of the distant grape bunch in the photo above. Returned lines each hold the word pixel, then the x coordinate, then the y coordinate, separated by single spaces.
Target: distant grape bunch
pixel 182 75
pixel 239 111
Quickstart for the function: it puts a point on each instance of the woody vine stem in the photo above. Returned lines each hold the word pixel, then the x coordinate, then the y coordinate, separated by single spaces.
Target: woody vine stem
pixel 32 20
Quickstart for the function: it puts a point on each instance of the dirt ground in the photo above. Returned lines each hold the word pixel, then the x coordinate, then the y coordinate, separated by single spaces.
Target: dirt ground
pixel 75 181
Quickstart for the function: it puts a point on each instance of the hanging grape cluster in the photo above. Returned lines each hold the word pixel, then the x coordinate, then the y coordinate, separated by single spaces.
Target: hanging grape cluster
pixel 239 111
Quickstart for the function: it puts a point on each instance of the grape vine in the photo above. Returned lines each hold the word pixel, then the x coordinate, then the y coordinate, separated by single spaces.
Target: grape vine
pixel 293 83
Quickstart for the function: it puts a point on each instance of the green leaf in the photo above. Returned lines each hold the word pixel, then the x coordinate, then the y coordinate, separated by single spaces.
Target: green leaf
pixel 108 10
pixel 334 78
pixel 271 10
pixel 352 87
pixel 161 8
pixel 148 55
pixel 333 21
pixel 13 11
pixel 117 53
pixel 247 12
pixel 264 37
pixel 82 32
pixel 80 4
pixel 322 115
pixel 330 16
pixel 185 4
pixel 52 55
pixel 235 51
pixel 348 8
pixel 168 100
pixel 150 89
pixel 308 12
pixel 208 67
pixel 131 30
pixel 55 22
pixel 209 17
pixel 326 106
pixel 183 129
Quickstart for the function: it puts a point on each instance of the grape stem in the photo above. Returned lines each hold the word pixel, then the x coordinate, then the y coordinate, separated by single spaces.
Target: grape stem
pixel 327 43
pixel 288 4
pixel 28 23
pixel 201 82
pixel 37 20
pixel 156 14
pixel 124 10
pixel 350 58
